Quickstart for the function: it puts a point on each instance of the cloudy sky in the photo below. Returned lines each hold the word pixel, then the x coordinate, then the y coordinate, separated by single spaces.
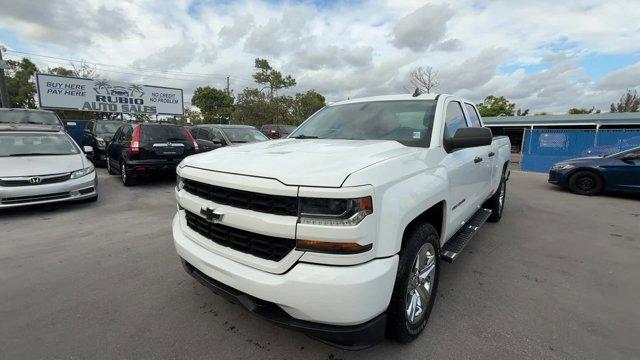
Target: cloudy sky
pixel 546 55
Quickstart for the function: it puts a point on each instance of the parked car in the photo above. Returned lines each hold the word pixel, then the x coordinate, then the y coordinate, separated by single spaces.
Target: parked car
pixel 43 165
pixel 338 230
pixel 592 175
pixel 211 137
pixel 30 117
pixel 137 150
pixel 274 131
pixel 98 134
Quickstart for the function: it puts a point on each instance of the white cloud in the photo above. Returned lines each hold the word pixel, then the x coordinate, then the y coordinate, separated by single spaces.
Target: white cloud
pixel 532 52
pixel 421 28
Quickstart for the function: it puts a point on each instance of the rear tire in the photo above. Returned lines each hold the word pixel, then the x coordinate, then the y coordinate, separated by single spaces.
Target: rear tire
pixel 125 175
pixel 416 285
pixel 586 183
pixel 496 202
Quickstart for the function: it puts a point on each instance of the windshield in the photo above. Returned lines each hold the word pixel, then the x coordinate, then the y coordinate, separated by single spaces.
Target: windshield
pixel 244 135
pixel 108 128
pixel 620 153
pixel 36 144
pixel 162 133
pixel 408 122
pixel 28 117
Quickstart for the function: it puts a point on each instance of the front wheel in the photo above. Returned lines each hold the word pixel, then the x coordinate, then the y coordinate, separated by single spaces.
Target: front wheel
pixel 416 284
pixel 586 183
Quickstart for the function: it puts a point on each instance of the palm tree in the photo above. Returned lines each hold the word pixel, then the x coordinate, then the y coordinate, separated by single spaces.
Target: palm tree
pixel 136 89
pixel 101 84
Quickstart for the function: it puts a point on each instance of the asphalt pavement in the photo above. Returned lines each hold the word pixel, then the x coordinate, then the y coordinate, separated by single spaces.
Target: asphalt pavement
pixel 557 278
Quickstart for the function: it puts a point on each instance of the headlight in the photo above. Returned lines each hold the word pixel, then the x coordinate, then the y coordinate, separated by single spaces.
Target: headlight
pixel 82 172
pixel 179 182
pixel 563 166
pixel 101 143
pixel 334 212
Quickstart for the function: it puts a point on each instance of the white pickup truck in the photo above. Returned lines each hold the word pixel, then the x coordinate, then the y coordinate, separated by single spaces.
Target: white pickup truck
pixel 339 230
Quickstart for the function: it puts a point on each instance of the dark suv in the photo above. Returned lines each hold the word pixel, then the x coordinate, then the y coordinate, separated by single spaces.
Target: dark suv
pixel 273 131
pixel 98 134
pixel 143 149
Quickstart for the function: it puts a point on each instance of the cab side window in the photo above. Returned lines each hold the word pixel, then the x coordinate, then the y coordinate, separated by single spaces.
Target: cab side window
pixel 454 119
pixel 474 119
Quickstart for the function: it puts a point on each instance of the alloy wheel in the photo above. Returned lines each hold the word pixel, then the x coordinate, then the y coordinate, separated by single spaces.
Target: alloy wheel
pixel 420 286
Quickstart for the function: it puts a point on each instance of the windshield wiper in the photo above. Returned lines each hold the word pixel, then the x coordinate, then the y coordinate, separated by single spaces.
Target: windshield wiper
pixel 305 137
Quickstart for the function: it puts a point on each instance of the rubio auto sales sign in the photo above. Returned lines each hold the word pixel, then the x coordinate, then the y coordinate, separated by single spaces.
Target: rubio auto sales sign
pixel 62 92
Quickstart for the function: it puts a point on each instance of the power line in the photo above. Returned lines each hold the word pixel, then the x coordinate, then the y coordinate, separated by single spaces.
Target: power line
pixel 169 72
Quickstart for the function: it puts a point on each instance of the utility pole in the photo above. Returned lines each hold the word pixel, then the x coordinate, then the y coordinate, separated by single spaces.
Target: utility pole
pixel 4 94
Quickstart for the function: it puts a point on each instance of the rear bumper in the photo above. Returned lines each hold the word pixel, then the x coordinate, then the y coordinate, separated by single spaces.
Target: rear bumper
pixel 70 190
pixel 148 166
pixel 352 337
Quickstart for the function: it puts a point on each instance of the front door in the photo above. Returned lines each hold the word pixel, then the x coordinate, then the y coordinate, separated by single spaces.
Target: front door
pixel 467 171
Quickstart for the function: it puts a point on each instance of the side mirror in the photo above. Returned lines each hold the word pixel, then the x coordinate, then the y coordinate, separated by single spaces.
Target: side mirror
pixel 87 149
pixel 216 141
pixel 469 137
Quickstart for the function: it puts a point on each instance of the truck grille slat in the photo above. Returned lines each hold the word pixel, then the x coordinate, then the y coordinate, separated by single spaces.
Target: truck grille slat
pixel 262 246
pixel 272 204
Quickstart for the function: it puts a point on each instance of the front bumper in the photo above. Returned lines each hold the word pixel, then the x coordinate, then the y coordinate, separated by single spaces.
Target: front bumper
pixel 70 190
pixel 332 297
pixel 557 177
pixel 352 337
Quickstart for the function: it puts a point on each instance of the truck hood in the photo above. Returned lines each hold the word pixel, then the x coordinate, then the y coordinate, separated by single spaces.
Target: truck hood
pixel 39 165
pixel 304 162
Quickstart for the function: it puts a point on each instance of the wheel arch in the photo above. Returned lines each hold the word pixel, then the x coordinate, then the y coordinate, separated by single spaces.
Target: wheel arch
pixel 434 215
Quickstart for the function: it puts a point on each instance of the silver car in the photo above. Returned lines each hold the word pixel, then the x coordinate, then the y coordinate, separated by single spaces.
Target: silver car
pixel 43 165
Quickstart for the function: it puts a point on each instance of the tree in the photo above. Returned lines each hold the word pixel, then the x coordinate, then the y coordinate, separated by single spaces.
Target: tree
pixel 524 112
pixel 20 84
pixel 496 106
pixel 629 102
pixel 191 116
pixel 215 104
pixel 424 79
pixel 306 104
pixel 273 79
pixel 584 111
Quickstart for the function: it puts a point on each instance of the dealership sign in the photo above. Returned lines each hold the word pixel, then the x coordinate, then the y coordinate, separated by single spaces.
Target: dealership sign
pixel 71 93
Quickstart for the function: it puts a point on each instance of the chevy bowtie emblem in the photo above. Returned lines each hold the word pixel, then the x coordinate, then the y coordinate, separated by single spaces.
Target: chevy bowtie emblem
pixel 210 214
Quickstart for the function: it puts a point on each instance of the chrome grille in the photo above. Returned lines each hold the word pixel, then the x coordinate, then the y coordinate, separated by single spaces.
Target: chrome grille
pixel 262 246
pixel 272 204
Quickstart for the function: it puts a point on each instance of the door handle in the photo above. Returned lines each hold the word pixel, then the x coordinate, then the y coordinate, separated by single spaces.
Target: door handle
pixel 477 159
pixel 491 153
